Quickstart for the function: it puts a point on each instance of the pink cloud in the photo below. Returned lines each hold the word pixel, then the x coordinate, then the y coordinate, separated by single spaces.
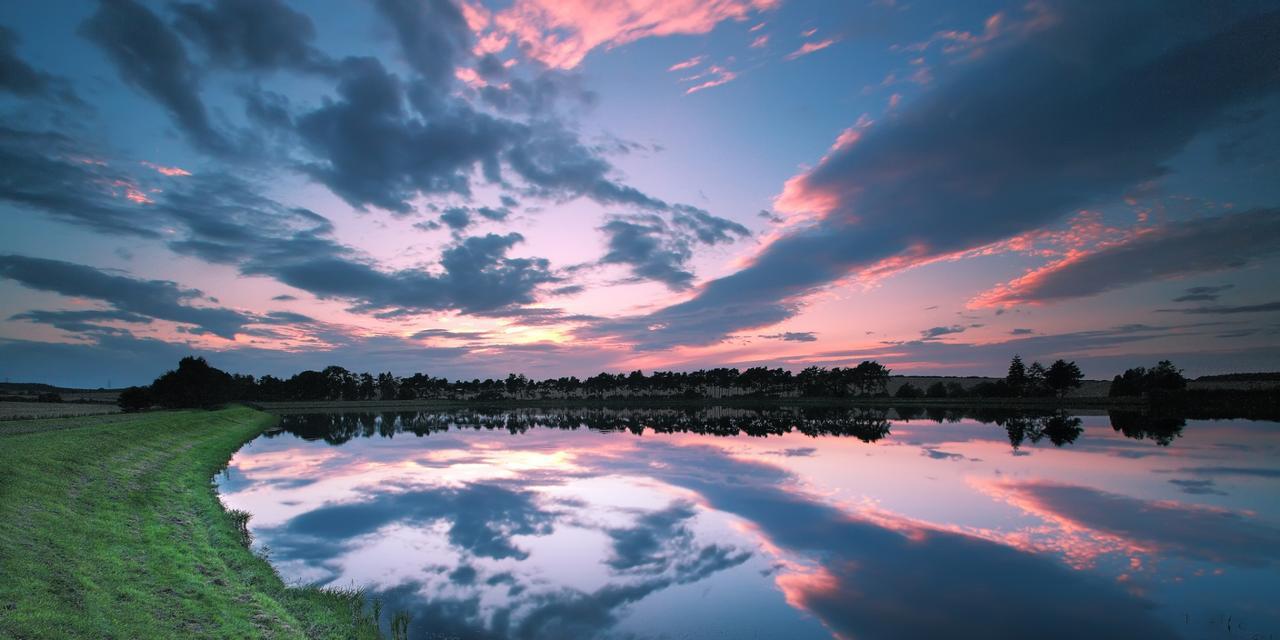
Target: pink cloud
pixel 716 76
pixel 560 33
pixel 760 41
pixel 687 64
pixel 810 47
pixel 168 171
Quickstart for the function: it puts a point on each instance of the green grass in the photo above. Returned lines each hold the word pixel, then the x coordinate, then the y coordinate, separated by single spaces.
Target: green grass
pixel 110 528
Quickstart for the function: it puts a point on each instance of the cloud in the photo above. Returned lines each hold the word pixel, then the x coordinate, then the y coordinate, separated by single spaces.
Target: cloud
pixel 937 332
pixel 1172 250
pixel 714 76
pixel 792 336
pixel 1019 138
pixel 810 47
pixel 560 33
pixel 477 276
pixel 1227 310
pixel 687 64
pixel 259 35
pixel 370 149
pixel 431 33
pixel 642 243
pixel 1205 294
pixel 453 335
pixel 659 251
pixel 149 56
pixel 1189 531
pixel 130 297
pixel 1246 472
pixel 81 321
pixel 225 220
pixel 1197 487
pixel 456 218
pixel 16 76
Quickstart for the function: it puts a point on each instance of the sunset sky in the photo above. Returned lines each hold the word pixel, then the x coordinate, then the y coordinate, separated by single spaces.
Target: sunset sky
pixel 560 187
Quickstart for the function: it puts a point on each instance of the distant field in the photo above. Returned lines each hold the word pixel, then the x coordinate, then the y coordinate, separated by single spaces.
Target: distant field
pixel 37 410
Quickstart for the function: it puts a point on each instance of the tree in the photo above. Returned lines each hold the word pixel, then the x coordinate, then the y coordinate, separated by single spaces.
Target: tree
pixel 1017 376
pixel 1162 378
pixel 1063 376
pixel 1036 384
pixel 1165 377
pixel 936 390
pixel 193 384
pixel 871 377
pixel 134 399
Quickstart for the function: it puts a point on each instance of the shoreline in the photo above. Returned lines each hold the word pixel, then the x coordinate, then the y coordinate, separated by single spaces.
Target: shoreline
pixel 1090 403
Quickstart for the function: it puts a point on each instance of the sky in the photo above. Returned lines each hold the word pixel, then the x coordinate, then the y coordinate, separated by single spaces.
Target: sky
pixel 561 187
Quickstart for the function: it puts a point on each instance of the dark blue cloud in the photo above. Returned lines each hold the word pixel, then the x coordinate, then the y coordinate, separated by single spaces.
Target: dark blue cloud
pixel 658 250
pixel 225 220
pixel 371 151
pixel 1172 250
pixel 149 56
pixel 159 299
pixel 456 218
pixel 433 35
pixel 938 332
pixel 81 321
pixel 642 242
pixel 251 34
pixel 1065 118
pixel 1263 307
pixel 1203 294
pixel 793 336
pixel 16 75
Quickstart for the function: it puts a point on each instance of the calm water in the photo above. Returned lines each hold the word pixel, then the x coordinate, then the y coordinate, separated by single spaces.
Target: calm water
pixel 788 524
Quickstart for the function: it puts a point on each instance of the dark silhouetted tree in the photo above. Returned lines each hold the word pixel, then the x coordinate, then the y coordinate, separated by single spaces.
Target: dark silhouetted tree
pixel 1062 376
pixel 194 384
pixel 1017 376
pixel 134 399
pixel 908 390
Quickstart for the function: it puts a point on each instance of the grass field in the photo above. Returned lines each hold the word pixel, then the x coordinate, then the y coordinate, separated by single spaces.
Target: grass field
pixel 110 528
pixel 37 410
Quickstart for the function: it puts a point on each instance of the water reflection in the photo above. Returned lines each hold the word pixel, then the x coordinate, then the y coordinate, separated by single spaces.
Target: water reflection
pixel 832 522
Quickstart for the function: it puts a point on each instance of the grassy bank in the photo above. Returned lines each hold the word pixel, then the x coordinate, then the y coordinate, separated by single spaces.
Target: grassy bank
pixel 110 528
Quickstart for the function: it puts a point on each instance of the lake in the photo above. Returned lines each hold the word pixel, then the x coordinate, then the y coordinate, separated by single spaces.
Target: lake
pixel 789 523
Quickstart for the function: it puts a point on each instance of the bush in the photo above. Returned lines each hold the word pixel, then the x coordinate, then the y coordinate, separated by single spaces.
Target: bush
pixel 134 399
pixel 908 390
pixel 49 397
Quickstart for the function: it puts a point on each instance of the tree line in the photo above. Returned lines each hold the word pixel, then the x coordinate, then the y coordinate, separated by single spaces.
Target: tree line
pixel 194 383
pixel 197 384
